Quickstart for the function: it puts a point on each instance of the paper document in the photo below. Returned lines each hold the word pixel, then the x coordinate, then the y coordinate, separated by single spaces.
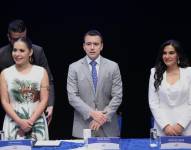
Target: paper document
pixel 15 145
pixel 48 143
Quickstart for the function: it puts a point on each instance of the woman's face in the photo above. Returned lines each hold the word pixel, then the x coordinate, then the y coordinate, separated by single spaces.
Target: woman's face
pixel 170 56
pixel 21 53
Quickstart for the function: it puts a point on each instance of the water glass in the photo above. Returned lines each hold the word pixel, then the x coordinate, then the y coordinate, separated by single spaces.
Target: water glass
pixel 2 135
pixel 86 134
pixel 154 140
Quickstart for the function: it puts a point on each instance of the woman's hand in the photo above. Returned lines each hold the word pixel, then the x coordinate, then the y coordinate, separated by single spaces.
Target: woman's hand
pixel 169 130
pixel 25 125
pixel 178 129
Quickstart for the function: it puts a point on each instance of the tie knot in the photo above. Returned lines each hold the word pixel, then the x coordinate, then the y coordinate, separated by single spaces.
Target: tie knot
pixel 93 63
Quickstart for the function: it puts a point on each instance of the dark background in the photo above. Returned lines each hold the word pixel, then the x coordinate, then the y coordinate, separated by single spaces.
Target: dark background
pixel 133 32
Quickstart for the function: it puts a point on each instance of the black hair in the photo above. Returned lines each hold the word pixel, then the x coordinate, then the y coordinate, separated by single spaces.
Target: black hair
pixel 94 33
pixel 25 40
pixel 160 65
pixel 16 26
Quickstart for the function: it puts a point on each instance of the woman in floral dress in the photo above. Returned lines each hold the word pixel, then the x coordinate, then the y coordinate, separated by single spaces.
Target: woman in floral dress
pixel 24 95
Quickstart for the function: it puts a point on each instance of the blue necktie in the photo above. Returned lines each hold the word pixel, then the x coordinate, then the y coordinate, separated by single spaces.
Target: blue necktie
pixel 94 73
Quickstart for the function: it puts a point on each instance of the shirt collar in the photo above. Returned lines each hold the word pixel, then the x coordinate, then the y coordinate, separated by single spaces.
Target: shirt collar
pixel 96 60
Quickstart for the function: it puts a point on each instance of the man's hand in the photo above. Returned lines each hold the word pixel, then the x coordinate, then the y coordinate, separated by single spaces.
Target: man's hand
pixel 94 125
pixel 98 116
pixel 49 112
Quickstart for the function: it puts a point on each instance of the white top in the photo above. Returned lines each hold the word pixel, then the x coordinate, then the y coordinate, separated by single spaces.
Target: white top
pixel 171 104
pixel 24 95
pixel 12 75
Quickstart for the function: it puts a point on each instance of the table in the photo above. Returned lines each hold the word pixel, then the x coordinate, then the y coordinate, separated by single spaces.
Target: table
pixel 135 144
pixel 125 144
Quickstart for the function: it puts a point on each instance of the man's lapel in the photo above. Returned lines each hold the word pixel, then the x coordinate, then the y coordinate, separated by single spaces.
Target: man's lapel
pixel 87 73
pixel 100 75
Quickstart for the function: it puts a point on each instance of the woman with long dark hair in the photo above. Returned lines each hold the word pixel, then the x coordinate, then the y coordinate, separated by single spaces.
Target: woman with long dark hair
pixel 170 91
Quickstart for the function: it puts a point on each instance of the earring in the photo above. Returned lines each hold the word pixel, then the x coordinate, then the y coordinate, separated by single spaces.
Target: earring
pixel 30 59
pixel 178 62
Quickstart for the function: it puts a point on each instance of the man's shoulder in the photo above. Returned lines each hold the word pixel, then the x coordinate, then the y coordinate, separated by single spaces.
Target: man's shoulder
pixel 5 48
pixel 76 65
pixel 108 61
pixel 36 47
pixel 78 62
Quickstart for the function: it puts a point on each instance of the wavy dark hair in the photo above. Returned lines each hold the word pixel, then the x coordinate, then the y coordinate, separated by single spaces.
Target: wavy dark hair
pixel 160 66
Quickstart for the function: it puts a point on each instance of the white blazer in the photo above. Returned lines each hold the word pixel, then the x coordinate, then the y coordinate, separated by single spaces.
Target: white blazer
pixel 171 104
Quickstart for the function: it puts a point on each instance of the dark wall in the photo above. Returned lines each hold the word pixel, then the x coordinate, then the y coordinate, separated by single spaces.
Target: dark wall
pixel 133 31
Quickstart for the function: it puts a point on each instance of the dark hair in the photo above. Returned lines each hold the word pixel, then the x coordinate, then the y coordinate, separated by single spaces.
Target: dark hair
pixel 25 40
pixel 16 26
pixel 93 33
pixel 160 65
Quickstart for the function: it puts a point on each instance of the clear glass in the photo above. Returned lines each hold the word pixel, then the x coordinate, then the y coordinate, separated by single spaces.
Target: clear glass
pixel 87 134
pixel 2 135
pixel 154 140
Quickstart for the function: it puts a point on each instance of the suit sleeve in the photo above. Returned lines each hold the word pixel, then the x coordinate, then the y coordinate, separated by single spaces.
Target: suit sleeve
pixel 41 60
pixel 116 94
pixel 154 103
pixel 73 94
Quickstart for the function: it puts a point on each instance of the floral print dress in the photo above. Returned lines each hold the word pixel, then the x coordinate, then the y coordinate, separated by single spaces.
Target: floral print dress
pixel 24 95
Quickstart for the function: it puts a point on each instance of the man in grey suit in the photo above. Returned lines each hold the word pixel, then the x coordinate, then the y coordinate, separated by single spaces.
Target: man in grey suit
pixel 16 30
pixel 94 89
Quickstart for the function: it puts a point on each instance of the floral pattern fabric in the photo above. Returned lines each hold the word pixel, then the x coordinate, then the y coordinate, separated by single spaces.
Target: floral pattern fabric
pixel 24 94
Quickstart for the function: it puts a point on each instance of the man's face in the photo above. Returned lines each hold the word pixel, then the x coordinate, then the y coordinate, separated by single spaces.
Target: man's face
pixel 92 46
pixel 14 36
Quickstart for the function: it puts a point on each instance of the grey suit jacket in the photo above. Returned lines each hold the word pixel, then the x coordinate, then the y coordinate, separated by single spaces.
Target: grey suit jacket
pixel 39 59
pixel 82 97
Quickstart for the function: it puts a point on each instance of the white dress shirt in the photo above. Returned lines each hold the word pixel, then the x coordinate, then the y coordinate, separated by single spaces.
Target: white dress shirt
pixel 97 65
